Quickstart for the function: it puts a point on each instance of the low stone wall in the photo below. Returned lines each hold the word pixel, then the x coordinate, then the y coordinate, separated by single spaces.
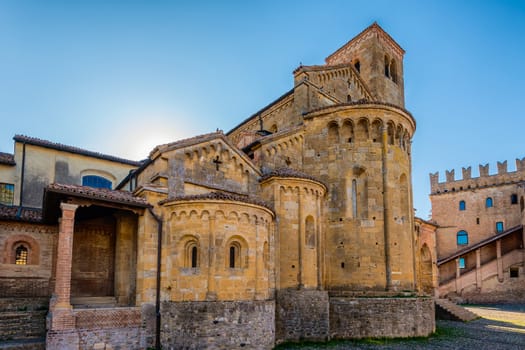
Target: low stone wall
pixel 301 315
pixel 352 318
pixel 104 328
pixel 218 325
pixel 22 318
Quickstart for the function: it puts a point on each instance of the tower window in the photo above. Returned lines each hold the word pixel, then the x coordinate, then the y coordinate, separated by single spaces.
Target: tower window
pixel 499 226
pixel 489 203
pixel 514 198
pixel 477 221
pixel 21 255
pixel 96 181
pixel 357 66
pixel 462 205
pixel 462 238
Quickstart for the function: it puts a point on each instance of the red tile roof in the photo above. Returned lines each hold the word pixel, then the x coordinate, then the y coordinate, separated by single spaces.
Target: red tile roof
pixel 58 146
pixel 16 213
pixel 7 158
pixel 220 196
pixel 290 173
pixel 115 196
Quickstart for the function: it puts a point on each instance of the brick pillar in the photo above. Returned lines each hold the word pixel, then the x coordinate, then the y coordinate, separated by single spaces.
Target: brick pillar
pixel 60 308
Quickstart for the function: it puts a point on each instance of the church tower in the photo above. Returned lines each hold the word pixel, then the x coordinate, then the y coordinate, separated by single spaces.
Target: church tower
pixel 379 61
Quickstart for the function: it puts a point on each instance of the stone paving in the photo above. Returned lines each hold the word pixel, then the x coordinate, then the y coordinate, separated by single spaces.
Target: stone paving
pixel 500 327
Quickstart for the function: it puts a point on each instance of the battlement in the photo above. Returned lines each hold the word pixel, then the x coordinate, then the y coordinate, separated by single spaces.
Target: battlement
pixel 503 177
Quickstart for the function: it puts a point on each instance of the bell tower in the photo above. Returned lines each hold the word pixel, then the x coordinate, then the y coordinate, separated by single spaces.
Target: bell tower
pixel 379 61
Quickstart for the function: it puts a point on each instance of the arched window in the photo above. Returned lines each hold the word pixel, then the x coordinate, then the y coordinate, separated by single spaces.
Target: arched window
pixel 96 181
pixel 234 255
pixel 21 254
pixel 333 133
pixel 462 205
pixel 387 67
pixel 393 71
pixel 488 202
pixel 357 65
pixel 194 256
pixel 499 226
pixel 310 232
pixel 462 238
pixel 191 252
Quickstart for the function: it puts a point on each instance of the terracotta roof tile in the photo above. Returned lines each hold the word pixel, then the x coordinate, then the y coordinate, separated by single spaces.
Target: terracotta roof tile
pixel 7 158
pixel 290 173
pixel 220 196
pixel 71 149
pixel 116 196
pixel 16 213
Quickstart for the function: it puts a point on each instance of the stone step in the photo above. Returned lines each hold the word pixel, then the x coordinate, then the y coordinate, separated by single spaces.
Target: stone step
pixel 93 302
pixel 449 310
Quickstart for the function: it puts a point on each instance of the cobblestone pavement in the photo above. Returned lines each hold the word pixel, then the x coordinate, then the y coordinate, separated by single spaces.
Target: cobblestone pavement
pixel 501 327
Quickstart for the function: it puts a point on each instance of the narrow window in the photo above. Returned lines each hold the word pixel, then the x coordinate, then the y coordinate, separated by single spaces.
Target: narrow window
pixel 461 263
pixel 499 226
pixel 21 255
pixel 7 193
pixel 194 256
pixel 387 67
pixel 489 203
pixel 354 198
pixel 477 221
pixel 462 205
pixel 96 181
pixel 462 238
pixel 357 66
pixel 348 98
pixel 232 257
pixel 514 198
pixel 514 272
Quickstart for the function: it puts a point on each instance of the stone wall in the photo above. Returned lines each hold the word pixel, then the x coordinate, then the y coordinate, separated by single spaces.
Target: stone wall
pixel 218 325
pixel 301 315
pixel 110 328
pixel 22 318
pixel 352 318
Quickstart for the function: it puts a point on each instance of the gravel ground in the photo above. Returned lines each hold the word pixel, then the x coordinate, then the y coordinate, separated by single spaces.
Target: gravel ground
pixel 501 327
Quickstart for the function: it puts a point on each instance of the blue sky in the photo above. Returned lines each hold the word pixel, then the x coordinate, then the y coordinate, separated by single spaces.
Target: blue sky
pixel 120 77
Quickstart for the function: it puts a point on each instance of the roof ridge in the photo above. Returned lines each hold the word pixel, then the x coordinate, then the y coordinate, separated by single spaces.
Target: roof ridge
pixel 373 27
pixel 72 149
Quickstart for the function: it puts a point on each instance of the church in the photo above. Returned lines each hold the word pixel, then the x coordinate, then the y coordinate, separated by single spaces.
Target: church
pixel 297 224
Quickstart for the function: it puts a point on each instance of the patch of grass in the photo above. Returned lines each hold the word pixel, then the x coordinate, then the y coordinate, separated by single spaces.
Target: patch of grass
pixel 440 333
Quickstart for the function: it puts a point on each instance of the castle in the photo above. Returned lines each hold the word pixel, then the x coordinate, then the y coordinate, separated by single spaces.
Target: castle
pixel 295 225
pixel 479 234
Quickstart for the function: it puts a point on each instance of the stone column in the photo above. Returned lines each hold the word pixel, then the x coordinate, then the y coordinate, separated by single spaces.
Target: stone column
pixel 478 268
pixel 386 208
pixel 61 320
pixel 499 260
pixel 211 294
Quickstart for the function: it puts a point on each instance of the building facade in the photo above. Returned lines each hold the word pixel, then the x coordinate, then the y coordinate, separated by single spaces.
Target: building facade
pixel 295 225
pixel 480 234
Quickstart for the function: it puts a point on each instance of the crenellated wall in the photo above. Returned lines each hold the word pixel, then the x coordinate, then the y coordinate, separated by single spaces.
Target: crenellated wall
pixel 467 182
